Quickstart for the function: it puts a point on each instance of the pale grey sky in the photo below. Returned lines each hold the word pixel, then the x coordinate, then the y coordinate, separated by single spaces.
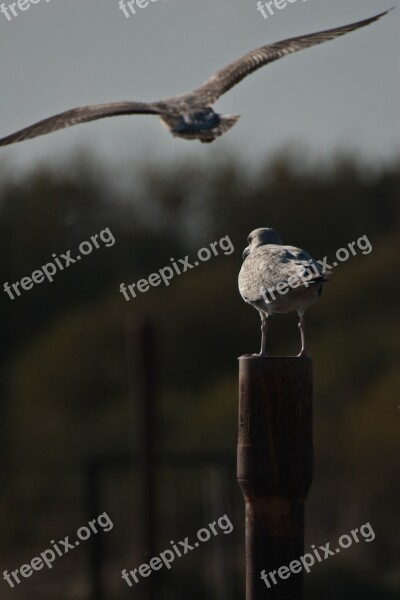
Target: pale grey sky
pixel 65 53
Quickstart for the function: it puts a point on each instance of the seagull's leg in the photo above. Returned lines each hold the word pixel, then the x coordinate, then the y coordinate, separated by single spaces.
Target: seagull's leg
pixel 302 327
pixel 264 327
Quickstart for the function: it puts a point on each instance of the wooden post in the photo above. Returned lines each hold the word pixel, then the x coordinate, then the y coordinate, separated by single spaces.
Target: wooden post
pixel 274 469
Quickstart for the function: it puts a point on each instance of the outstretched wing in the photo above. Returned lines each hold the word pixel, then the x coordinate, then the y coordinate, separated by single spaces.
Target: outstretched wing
pixel 79 115
pixel 226 78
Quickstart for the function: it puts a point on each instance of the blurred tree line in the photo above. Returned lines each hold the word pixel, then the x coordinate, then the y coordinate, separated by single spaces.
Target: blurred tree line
pixel 64 382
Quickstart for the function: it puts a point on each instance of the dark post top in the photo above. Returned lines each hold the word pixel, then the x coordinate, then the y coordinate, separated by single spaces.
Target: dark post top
pixel 275 449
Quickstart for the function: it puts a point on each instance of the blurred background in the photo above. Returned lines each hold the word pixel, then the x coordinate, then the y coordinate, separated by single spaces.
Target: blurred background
pixel 317 159
pixel 71 409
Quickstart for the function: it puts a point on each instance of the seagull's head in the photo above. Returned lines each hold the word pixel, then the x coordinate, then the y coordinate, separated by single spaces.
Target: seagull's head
pixel 261 237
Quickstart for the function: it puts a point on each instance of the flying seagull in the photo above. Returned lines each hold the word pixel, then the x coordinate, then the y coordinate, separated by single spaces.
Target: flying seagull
pixel 190 116
pixel 278 279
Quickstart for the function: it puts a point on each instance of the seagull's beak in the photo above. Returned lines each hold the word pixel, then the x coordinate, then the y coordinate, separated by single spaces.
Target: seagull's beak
pixel 246 252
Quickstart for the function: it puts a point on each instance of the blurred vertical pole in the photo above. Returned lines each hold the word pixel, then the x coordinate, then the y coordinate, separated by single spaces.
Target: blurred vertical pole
pixel 96 545
pixel 220 563
pixel 274 469
pixel 141 349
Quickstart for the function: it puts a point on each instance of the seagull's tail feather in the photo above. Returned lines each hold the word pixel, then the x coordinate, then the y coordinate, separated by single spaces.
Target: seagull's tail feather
pixel 316 280
pixel 226 122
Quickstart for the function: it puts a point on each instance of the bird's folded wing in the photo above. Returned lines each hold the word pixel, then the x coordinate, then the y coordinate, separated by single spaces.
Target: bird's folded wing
pixel 79 115
pixel 303 265
pixel 227 77
pixel 270 267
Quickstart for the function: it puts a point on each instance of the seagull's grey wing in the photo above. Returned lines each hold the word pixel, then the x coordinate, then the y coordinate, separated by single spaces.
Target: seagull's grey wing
pixel 227 77
pixel 80 115
pixel 271 265
pixel 301 261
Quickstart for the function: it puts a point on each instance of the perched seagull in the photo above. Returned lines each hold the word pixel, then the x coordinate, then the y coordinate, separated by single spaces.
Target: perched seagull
pixel 190 116
pixel 278 279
